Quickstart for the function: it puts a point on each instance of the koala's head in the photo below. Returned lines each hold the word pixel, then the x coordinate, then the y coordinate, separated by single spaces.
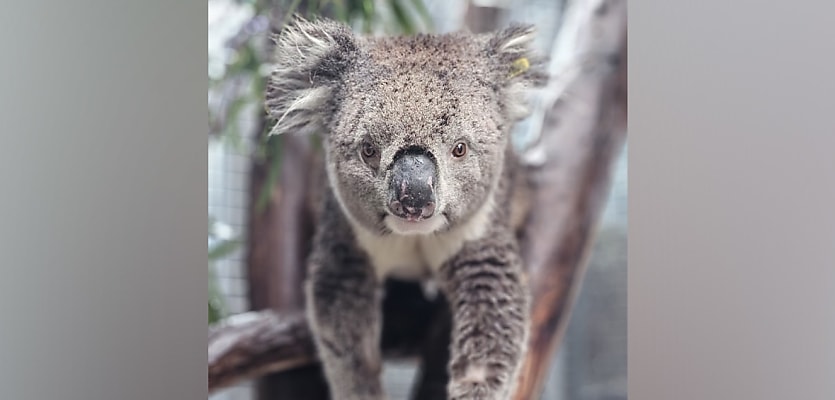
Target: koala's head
pixel 415 128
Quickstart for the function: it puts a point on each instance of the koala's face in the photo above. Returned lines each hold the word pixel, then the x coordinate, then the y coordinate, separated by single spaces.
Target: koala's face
pixel 416 143
pixel 414 149
pixel 415 129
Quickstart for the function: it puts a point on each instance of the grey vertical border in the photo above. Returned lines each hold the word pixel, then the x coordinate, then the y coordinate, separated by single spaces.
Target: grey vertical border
pixel 103 212
pixel 732 187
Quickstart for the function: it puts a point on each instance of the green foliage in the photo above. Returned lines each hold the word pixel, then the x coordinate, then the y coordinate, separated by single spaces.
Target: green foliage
pixel 218 249
pixel 217 309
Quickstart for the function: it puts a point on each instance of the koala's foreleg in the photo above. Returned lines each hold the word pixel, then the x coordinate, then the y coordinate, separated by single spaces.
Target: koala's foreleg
pixel 344 311
pixel 489 305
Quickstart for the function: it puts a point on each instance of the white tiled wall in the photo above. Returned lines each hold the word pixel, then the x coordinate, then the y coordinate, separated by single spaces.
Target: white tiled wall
pixel 228 174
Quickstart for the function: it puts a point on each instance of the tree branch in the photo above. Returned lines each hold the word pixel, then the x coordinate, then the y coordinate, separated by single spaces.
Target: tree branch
pixel 256 343
pixel 259 343
pixel 584 129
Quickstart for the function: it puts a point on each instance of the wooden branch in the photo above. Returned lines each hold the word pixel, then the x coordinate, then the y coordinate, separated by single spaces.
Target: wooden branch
pixel 278 241
pixel 280 237
pixel 584 129
pixel 256 343
pixel 262 343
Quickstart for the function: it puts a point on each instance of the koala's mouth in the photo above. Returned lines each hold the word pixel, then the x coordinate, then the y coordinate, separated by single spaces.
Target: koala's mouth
pixel 415 226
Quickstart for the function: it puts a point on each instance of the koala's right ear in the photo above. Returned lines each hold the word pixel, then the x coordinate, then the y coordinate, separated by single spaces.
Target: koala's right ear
pixel 310 58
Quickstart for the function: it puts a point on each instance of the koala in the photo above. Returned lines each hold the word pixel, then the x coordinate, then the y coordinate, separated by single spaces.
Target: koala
pixel 419 182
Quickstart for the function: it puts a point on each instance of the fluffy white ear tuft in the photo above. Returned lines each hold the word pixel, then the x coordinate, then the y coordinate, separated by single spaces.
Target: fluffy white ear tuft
pixel 514 39
pixel 517 67
pixel 310 58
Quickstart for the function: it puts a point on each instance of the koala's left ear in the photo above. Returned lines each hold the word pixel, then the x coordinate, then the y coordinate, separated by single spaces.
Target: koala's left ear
pixel 516 65
pixel 310 57
pixel 511 49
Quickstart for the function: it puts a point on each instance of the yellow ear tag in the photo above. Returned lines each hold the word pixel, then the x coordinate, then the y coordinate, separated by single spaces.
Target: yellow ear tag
pixel 519 66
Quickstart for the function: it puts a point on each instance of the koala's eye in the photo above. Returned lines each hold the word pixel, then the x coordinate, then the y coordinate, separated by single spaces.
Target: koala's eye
pixel 369 153
pixel 368 150
pixel 459 150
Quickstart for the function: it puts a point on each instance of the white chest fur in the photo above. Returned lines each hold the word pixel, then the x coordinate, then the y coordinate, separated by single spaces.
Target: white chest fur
pixel 416 257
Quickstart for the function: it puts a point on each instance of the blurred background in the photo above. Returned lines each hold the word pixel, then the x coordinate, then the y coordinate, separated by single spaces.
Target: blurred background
pixel 591 362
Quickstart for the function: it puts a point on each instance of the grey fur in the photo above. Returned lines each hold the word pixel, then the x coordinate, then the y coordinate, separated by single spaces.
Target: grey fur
pixel 395 93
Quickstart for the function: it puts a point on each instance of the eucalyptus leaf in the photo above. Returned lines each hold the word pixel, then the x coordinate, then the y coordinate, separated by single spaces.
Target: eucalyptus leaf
pixel 223 249
pixel 421 9
pixel 402 17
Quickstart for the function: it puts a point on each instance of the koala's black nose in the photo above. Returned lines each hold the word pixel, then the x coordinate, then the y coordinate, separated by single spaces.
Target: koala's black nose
pixel 412 186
